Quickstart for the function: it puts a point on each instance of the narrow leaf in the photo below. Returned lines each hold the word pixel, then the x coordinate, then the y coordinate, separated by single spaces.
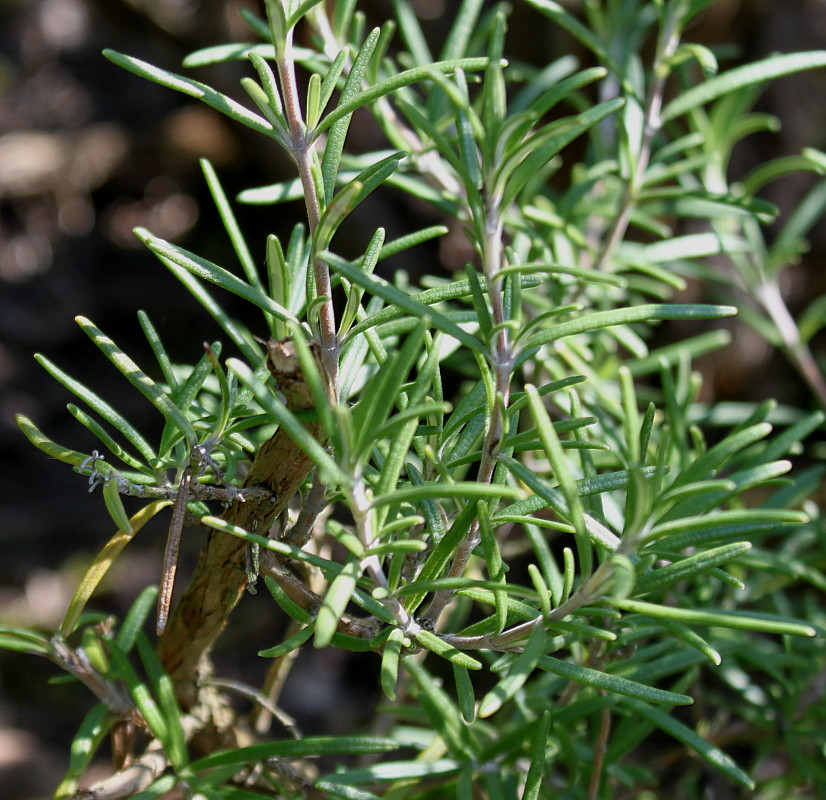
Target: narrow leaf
pixel 345 792
pixel 440 709
pixel 227 215
pixel 516 676
pixel 533 782
pixel 101 563
pixel 720 619
pixel 136 618
pixel 381 288
pixel 226 105
pixel 97 404
pixel 208 271
pixel 611 683
pixel 398 81
pixel 23 640
pixel 623 316
pixel 687 736
pixel 442 648
pixel 46 445
pixel 390 663
pixel 546 496
pixel 688 567
pixel 297 748
pixel 748 75
pixel 288 645
pixel 139 691
pixel 460 489
pixel 338 132
pixel 335 602
pixel 114 505
pixel 138 378
pixel 164 691
pixel 464 692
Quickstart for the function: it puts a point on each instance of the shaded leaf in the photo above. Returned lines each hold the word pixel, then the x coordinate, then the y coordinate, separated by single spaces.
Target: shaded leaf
pixel 687 736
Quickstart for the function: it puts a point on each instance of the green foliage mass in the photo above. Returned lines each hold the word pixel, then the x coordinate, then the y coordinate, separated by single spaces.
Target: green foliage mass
pixel 551 545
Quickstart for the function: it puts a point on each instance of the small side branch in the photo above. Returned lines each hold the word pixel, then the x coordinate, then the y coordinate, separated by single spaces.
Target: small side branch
pixel 140 774
pixel 769 296
pixel 502 360
pixel 371 564
pixel 302 152
pixel 588 593
pixel 129 781
pixel 667 44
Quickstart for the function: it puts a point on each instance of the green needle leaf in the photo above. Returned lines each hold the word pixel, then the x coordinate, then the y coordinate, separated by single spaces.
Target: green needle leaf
pixel 114 505
pixel 345 792
pixel 549 496
pixel 162 685
pixel 748 75
pixel 439 294
pixel 533 782
pixel 442 648
pixel 684 734
pixel 623 316
pixel 288 645
pixel 101 563
pixel 381 288
pixel 335 602
pixel 136 618
pixel 98 405
pixel 146 704
pixel 139 379
pixel 84 746
pixel 517 675
pixel 688 567
pixel 464 692
pixel 46 445
pixel 226 105
pixel 556 456
pixel 460 489
pixel 297 748
pixel 442 712
pixel 390 663
pixel 720 619
pixel 338 131
pixel 208 271
pixel 22 640
pixel 611 683
pixel 398 81
pixel 227 215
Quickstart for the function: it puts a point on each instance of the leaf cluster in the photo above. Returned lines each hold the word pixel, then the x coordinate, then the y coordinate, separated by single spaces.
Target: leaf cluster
pixel 522 523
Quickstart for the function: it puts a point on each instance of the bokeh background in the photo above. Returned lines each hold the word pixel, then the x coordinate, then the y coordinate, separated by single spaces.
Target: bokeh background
pixel 87 152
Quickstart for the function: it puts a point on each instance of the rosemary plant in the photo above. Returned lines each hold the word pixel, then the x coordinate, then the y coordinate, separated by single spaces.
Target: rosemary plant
pixel 532 534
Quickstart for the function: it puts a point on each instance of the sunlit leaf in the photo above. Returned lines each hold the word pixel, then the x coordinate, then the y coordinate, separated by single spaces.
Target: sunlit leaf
pixel 102 561
pixel 757 72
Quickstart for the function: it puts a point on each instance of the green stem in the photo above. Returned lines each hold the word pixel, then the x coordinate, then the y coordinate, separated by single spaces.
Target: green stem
pixel 371 564
pixel 302 152
pixel 502 359
pixel 769 296
pixel 667 44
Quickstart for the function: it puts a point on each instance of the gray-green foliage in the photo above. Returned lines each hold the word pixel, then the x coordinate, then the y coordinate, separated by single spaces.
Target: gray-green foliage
pixel 552 556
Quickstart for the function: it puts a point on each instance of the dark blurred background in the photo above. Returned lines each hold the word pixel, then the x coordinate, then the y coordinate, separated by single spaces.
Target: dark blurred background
pixel 87 152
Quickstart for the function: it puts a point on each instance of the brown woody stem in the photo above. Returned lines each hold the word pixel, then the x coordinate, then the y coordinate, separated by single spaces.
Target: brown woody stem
pixel 280 466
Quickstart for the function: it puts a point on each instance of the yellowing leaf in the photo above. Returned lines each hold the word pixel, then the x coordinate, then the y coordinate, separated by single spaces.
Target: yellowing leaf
pixel 101 563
